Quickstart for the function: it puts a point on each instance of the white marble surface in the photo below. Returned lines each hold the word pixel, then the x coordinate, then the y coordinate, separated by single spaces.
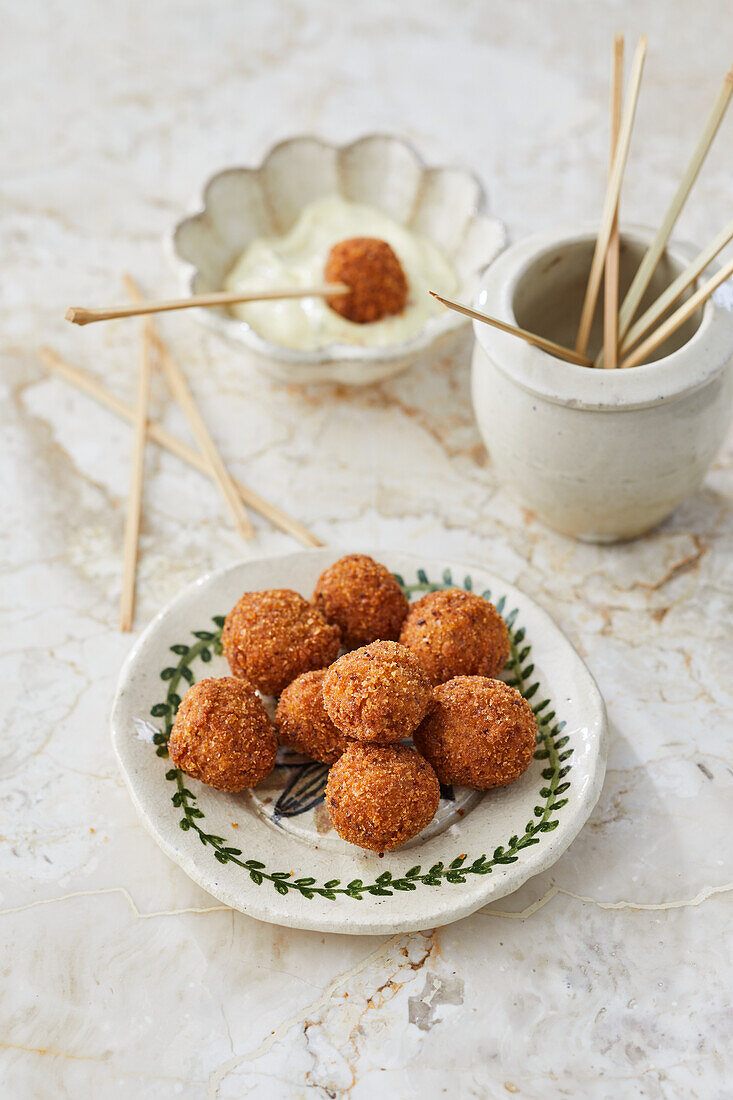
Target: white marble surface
pixel 608 976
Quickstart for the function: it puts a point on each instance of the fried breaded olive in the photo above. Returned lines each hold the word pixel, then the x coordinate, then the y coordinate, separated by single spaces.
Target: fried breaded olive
pixel 456 633
pixel 377 693
pixel 481 733
pixel 270 637
pixel 363 599
pixel 378 796
pixel 222 735
pixel 371 269
pixel 302 722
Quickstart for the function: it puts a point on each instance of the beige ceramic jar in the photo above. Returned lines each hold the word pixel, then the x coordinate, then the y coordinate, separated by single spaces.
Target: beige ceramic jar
pixel 597 454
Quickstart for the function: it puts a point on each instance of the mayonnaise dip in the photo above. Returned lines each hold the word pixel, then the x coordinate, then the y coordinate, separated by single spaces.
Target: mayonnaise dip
pixel 299 258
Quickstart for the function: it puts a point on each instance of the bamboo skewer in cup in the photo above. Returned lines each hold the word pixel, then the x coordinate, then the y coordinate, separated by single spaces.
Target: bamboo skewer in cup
pixel 160 435
pixel 611 201
pixel 610 281
pixel 654 252
pixel 80 316
pixel 678 318
pixel 685 279
pixel 183 396
pixel 134 504
pixel 531 338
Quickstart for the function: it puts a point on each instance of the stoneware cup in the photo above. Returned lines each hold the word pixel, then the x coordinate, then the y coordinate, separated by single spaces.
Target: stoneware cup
pixel 598 454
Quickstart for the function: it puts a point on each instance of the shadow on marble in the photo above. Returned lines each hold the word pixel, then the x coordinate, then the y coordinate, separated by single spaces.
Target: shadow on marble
pixel 651 840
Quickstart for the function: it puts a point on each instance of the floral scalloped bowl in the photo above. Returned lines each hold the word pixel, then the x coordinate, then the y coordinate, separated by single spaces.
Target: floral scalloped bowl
pixel 271 852
pixel 447 205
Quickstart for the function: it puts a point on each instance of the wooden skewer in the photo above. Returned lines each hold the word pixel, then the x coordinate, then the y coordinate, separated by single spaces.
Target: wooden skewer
pixel 686 278
pixel 80 316
pixel 183 396
pixel 610 281
pixel 678 318
pixel 613 190
pixel 653 254
pixel 134 504
pixel 160 435
pixel 531 338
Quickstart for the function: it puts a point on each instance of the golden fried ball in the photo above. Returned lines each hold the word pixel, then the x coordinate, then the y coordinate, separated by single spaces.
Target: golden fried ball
pixel 371 269
pixel 456 633
pixel 362 598
pixel 481 733
pixel 222 735
pixel 302 721
pixel 270 637
pixel 378 796
pixel 378 693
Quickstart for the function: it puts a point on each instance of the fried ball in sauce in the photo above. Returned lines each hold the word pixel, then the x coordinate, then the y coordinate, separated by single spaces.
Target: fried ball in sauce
pixel 222 735
pixel 363 599
pixel 378 693
pixel 378 796
pixel 456 633
pixel 378 286
pixel 302 722
pixel 270 637
pixel 481 733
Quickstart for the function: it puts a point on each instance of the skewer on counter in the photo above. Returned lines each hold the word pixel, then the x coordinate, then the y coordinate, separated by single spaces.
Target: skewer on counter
pixel 530 337
pixel 89 385
pixel 611 201
pixel 610 278
pixel 134 504
pixel 184 397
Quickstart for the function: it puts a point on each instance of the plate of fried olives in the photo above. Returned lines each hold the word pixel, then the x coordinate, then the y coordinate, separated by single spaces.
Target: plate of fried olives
pixel 361 743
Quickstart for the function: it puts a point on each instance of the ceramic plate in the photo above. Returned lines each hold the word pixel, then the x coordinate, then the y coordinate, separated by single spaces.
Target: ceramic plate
pixel 271 852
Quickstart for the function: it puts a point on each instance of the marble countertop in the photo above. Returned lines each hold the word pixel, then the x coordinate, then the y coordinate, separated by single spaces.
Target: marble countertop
pixel 608 975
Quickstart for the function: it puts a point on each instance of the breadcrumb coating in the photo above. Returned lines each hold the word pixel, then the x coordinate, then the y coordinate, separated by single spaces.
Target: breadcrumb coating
pixel 379 796
pixel 222 735
pixel 302 722
pixel 363 599
pixel 378 284
pixel 378 693
pixel 270 637
pixel 456 633
pixel 480 734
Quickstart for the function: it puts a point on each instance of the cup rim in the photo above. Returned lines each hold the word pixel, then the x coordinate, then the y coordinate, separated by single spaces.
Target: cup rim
pixel 684 370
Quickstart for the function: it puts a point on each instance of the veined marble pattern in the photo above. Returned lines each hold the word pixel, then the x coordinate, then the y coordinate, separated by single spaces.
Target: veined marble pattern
pixel 608 976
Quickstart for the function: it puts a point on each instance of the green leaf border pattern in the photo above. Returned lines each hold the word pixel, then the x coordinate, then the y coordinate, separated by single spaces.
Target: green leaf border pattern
pixel 552 747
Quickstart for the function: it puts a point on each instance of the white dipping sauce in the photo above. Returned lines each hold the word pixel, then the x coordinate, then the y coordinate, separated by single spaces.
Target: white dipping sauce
pixel 299 259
